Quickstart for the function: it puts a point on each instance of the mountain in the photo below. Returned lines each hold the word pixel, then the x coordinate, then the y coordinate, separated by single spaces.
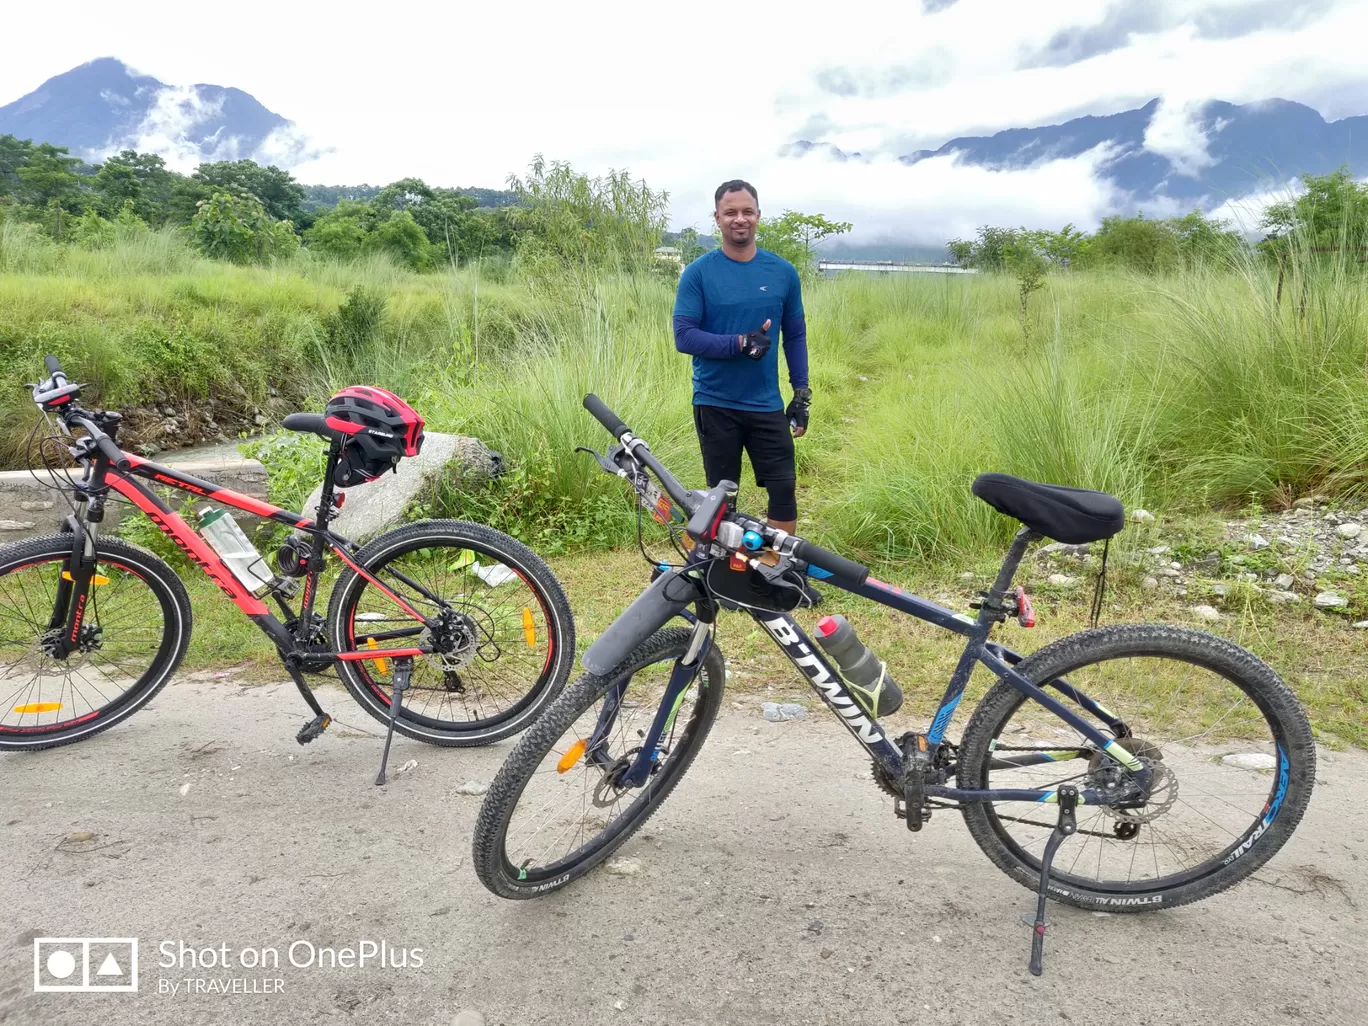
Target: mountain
pixel 1204 153
pixel 105 106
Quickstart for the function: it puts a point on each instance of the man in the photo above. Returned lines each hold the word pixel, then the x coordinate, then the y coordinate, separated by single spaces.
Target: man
pixel 730 302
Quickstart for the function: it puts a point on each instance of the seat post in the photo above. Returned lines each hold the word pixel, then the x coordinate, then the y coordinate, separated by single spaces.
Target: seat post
pixel 1023 539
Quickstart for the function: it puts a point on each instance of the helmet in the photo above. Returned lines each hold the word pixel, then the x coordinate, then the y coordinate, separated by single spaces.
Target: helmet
pixel 380 427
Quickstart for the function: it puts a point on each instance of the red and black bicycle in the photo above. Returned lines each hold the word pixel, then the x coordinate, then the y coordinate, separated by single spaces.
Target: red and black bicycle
pixel 447 631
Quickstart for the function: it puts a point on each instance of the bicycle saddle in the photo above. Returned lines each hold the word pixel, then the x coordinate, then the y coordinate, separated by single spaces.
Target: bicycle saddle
pixel 1074 516
pixel 312 424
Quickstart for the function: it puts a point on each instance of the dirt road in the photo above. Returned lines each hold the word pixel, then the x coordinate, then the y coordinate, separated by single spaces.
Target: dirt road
pixel 775 887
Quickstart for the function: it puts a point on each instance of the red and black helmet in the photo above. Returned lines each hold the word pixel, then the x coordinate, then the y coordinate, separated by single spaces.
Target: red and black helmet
pixel 381 430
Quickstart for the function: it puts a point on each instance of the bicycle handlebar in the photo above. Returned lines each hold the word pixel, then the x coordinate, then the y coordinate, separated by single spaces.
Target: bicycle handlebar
pixel 599 409
pixel 640 451
pixel 823 559
pixel 105 444
pixel 852 573
pixel 53 365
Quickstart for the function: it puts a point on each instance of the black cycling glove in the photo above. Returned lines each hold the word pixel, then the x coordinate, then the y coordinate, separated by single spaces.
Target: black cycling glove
pixel 756 344
pixel 798 407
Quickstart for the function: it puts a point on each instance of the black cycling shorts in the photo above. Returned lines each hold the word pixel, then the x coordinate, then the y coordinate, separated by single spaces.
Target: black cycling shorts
pixel 766 438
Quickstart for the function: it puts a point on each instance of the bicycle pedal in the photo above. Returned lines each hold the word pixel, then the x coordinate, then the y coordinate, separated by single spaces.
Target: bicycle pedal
pixel 314 728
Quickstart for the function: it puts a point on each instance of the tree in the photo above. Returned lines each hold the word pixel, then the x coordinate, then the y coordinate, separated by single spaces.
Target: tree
pixel 341 232
pixel 403 238
pixel 280 195
pixel 139 178
pixel 47 178
pixel 14 154
pixel 1332 214
pixel 960 251
pixel 237 228
pixel 793 234
pixel 1023 259
pixel 569 218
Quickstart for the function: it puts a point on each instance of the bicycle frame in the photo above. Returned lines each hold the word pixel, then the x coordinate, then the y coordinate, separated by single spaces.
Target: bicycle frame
pixel 826 680
pixel 103 477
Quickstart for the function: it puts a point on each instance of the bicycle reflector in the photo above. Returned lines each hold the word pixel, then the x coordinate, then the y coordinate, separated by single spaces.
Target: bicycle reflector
pixel 571 756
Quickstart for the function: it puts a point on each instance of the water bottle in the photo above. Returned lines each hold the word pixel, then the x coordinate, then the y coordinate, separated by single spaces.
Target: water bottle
pixel 861 668
pixel 236 550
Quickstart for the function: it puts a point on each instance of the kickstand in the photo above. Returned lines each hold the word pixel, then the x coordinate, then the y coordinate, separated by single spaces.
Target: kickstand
pixel 403 670
pixel 1067 825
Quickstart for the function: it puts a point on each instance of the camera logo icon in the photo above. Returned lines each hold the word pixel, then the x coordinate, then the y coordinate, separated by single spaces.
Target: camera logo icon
pixel 85 964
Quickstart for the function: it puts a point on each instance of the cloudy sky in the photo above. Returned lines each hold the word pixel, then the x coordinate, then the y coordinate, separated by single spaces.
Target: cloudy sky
pixel 687 95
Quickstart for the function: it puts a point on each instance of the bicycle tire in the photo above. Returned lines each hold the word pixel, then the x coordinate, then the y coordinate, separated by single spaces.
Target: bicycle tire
pixel 174 605
pixel 1245 853
pixel 492 865
pixel 370 693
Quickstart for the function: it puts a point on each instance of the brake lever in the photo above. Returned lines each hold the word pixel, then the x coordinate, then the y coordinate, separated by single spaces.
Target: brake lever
pixel 608 466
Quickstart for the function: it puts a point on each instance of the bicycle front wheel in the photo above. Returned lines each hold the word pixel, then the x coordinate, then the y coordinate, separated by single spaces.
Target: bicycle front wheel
pixel 504 640
pixel 132 637
pixel 1229 747
pixel 555 809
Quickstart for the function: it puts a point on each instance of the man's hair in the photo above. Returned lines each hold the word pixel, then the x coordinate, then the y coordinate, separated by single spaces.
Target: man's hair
pixel 735 185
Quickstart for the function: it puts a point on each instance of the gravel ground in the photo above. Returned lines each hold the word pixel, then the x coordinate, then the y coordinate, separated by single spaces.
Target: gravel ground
pixel 775 886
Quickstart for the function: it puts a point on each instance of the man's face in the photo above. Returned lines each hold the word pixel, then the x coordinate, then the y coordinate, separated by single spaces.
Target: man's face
pixel 736 216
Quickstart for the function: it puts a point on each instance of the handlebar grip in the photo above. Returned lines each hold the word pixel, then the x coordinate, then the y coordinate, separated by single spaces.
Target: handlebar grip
pixel 54 366
pixel 605 416
pixel 838 566
pixel 111 451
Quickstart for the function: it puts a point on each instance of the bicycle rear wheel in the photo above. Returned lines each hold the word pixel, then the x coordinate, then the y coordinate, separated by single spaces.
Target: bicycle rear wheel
pixel 552 813
pixel 132 637
pixel 506 639
pixel 1229 746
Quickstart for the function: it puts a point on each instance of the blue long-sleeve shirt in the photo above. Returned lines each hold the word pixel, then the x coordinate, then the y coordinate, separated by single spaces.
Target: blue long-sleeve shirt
pixel 720 298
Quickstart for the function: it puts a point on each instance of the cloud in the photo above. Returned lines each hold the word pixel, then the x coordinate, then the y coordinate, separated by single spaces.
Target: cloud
pixel 1122 21
pixel 932 67
pixel 937 199
pixel 932 6
pixel 1177 132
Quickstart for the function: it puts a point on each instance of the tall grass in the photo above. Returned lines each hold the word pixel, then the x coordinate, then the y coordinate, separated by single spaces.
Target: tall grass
pixel 1175 393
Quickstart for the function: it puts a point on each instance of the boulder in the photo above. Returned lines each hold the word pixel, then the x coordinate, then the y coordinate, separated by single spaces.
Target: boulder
pixel 380 504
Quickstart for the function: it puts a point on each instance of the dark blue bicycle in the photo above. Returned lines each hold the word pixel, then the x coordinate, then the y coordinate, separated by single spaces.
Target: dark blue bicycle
pixel 1179 760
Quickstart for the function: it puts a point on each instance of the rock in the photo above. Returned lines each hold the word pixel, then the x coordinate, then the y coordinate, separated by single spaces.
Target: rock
pixel 622 867
pixel 1209 564
pixel 1158 550
pixel 1361 625
pixel 1250 761
pixel 815 926
pixel 35 507
pixel 78 836
pixel 1220 590
pixel 473 787
pixel 968 575
pixel 1309 501
pixel 621 1006
pixel 1062 580
pixel 16 525
pixel 184 789
pixel 377 505
pixel 1283 598
pixel 1205 612
pixel 1061 549
pixel 1175 566
pixel 1256 542
pixel 1349 530
pixel 1168 572
pixel 468 1017
pixel 776 712
pixel 1149 583
pixel 1330 600
pixel 1284 581
pixel 407 767
pixel 1142 516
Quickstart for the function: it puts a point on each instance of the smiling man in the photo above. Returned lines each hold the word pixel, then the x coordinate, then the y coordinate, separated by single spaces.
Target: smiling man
pixel 730 304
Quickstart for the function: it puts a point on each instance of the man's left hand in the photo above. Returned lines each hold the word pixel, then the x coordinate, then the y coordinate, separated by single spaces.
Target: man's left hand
pixel 797 411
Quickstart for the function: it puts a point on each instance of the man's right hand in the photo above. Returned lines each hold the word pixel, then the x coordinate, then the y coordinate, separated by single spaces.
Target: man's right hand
pixel 757 343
